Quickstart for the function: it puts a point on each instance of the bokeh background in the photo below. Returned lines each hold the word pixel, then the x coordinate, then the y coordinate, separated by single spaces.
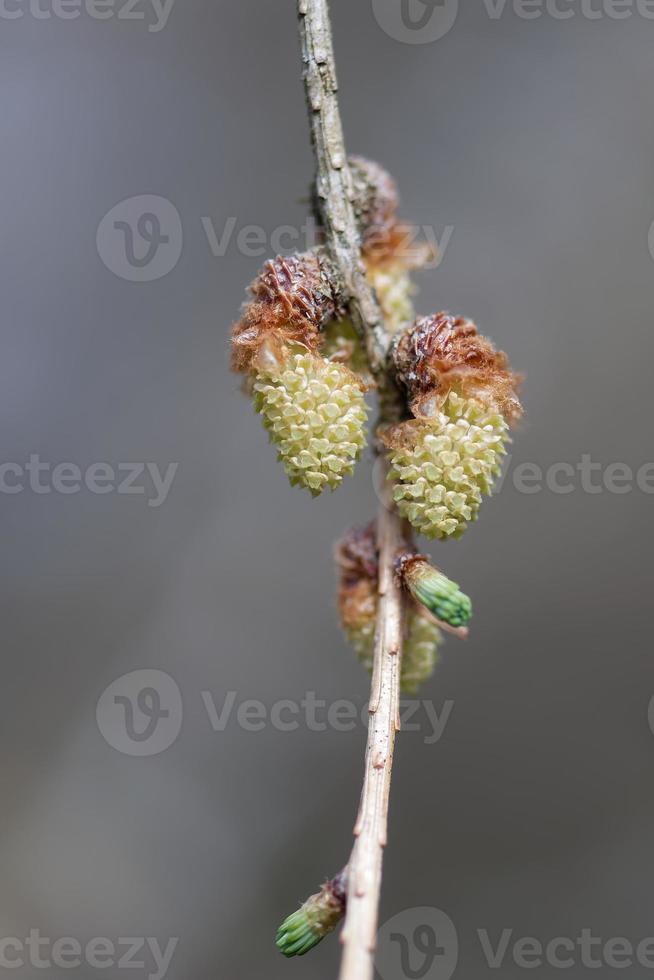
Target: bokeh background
pixel 533 140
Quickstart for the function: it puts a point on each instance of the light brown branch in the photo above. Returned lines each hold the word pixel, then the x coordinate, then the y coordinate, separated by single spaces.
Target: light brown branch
pixel 359 935
pixel 333 180
pixel 334 195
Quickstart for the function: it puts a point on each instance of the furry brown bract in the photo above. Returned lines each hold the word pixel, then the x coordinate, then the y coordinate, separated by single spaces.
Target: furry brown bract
pixel 385 238
pixel 442 353
pixel 312 407
pixel 375 198
pixel 390 247
pixel 292 300
pixel 357 561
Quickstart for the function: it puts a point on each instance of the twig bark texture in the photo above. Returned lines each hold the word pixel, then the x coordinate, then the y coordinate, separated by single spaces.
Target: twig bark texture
pixel 334 196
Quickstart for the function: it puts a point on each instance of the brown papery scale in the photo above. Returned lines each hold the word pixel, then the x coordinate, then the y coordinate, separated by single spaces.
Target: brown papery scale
pixel 442 353
pixel 357 554
pixel 292 299
pixel 385 239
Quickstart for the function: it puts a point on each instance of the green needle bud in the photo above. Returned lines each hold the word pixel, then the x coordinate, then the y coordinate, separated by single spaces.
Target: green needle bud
pixel 319 916
pixel 435 591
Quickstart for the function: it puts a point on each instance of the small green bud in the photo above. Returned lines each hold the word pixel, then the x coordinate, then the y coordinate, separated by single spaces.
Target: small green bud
pixel 441 466
pixel 315 414
pixel 435 591
pixel 319 916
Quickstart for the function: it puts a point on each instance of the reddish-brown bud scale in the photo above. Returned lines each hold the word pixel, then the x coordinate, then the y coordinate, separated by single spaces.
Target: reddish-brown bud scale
pixel 292 300
pixel 442 353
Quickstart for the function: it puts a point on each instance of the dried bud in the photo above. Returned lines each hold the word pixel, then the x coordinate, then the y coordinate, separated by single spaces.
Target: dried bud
pixel 442 466
pixel 434 591
pixel 375 198
pixel 357 559
pixel 292 299
pixel 442 353
pixel 315 414
pixel 319 916
pixel 357 562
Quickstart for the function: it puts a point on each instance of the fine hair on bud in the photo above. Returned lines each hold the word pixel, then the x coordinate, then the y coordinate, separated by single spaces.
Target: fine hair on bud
pixel 389 247
pixel 463 396
pixel 312 407
pixel 442 353
pixel 320 915
pixel 292 299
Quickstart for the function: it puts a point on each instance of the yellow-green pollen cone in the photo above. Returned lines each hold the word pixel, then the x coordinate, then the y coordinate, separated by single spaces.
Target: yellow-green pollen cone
pixel 315 414
pixel 419 653
pixel 394 288
pixel 433 590
pixel 342 344
pixel 319 916
pixel 442 466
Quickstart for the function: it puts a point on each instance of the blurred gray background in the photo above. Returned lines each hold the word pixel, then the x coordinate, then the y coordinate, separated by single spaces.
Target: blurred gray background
pixel 534 811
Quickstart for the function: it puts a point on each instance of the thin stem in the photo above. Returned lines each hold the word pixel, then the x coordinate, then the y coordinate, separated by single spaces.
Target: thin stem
pixel 365 867
pixel 333 180
pixel 334 195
